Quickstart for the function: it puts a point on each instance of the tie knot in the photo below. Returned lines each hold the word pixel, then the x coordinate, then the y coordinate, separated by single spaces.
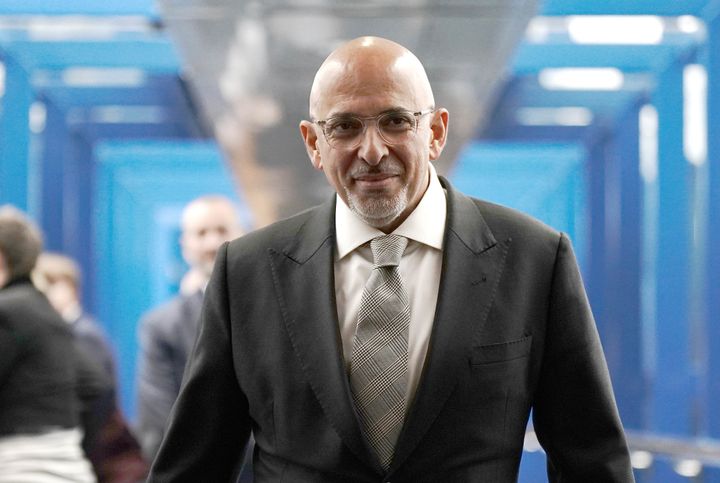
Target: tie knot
pixel 388 249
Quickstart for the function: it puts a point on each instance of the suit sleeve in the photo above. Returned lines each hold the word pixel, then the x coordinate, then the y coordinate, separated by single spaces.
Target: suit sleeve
pixel 157 386
pixel 575 416
pixel 209 425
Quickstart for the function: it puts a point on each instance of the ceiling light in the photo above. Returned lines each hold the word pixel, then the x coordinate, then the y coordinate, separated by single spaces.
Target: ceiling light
pixel 128 114
pixel 688 468
pixel 73 27
pixel 589 78
pixel 554 116
pixel 648 125
pixel 103 77
pixel 695 114
pixel 37 117
pixel 689 24
pixel 641 460
pixel 538 30
pixel 615 29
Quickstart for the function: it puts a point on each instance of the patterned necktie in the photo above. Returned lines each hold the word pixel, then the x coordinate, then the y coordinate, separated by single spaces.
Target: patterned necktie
pixel 378 368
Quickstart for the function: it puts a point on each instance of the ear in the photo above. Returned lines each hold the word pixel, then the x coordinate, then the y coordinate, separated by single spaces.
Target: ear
pixel 438 129
pixel 310 138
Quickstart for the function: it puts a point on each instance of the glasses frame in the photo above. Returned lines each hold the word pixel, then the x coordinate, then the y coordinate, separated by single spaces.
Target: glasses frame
pixel 416 114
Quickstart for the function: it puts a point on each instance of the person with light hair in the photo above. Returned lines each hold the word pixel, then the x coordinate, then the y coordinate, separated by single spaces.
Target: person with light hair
pixel 167 333
pixel 45 381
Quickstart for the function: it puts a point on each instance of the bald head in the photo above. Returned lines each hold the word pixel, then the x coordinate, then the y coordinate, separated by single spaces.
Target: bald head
pixel 367 66
pixel 206 223
pixel 374 98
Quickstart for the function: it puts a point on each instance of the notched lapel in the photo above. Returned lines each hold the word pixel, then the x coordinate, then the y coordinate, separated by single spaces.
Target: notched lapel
pixel 473 263
pixel 304 283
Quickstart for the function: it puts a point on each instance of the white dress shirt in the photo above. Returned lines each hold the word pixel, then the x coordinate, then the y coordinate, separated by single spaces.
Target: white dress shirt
pixel 419 267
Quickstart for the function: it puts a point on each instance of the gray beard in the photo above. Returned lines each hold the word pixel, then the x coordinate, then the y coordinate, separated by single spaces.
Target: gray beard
pixel 378 212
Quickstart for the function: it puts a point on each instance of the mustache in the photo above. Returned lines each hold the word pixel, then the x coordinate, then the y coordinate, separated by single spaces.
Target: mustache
pixel 389 167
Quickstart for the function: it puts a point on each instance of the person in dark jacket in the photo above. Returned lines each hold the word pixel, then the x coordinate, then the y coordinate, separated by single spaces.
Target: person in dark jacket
pixel 46 382
pixel 109 444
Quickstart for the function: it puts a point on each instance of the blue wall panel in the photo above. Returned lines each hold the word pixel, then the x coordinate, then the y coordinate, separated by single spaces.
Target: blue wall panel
pixel 711 293
pixel 15 175
pixel 546 181
pixel 673 388
pixel 141 189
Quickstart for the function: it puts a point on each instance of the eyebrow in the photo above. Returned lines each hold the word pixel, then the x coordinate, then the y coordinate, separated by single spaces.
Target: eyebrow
pixel 354 114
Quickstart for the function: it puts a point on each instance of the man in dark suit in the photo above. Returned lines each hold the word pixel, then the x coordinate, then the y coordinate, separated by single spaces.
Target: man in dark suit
pixel 400 332
pixel 167 332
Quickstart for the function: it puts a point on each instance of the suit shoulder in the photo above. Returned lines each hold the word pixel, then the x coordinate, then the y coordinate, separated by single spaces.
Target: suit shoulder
pixel 278 233
pixel 514 223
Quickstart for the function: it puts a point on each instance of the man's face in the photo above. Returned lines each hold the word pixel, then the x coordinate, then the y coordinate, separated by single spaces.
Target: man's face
pixel 61 292
pixel 380 182
pixel 206 226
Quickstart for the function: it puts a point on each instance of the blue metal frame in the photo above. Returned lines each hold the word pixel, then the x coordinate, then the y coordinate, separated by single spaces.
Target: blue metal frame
pixel 140 186
pixel 711 293
pixel 15 135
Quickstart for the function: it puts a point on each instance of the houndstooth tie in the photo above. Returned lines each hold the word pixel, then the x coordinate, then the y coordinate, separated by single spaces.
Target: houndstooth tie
pixel 378 367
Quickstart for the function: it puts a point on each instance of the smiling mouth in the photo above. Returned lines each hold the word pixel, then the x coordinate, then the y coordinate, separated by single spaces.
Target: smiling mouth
pixel 378 181
pixel 373 177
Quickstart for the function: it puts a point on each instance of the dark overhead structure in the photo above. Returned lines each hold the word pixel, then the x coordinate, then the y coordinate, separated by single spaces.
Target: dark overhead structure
pixel 251 64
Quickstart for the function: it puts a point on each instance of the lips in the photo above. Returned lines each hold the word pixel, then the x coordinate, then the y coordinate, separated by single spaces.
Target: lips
pixel 369 178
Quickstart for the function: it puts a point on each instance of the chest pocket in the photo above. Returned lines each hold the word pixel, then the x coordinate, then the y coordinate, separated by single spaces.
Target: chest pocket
pixel 501 352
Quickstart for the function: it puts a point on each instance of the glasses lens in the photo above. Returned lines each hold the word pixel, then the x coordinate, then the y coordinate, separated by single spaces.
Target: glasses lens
pixel 395 127
pixel 343 131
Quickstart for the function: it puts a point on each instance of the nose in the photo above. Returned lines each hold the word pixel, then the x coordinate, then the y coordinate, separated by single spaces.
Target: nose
pixel 373 147
pixel 213 240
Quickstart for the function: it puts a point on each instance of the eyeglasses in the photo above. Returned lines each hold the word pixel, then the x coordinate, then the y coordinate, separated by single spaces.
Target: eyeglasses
pixel 394 127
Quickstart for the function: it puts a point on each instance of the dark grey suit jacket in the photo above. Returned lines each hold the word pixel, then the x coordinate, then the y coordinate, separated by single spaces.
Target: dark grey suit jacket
pixel 166 334
pixel 512 331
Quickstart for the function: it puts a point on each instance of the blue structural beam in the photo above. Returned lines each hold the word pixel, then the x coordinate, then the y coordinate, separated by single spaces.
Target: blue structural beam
pixel 530 58
pixel 140 190
pixel 623 7
pixel 621 325
pixel 155 53
pixel 79 7
pixel 15 175
pixel 673 387
pixel 54 148
pixel 544 180
pixel 712 271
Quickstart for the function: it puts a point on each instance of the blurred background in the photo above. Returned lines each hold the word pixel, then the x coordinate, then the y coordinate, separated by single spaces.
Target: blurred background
pixel 600 117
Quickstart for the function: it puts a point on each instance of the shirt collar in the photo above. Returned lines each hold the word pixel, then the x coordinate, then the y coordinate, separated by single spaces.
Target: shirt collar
pixel 426 224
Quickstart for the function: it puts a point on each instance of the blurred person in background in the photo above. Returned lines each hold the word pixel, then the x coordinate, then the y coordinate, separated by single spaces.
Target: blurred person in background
pixel 167 333
pixel 46 382
pixel 58 277
pixel 112 449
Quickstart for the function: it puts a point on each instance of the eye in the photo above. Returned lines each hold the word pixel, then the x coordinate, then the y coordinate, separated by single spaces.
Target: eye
pixel 343 127
pixel 397 121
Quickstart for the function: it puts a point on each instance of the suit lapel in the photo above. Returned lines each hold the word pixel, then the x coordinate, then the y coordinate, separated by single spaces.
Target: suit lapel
pixel 473 262
pixel 304 281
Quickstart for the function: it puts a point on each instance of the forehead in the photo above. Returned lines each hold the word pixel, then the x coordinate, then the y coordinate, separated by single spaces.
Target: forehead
pixel 369 86
pixel 201 215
